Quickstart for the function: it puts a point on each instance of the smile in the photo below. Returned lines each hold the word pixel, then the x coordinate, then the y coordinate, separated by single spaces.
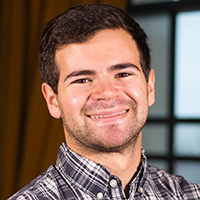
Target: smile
pixel 107 115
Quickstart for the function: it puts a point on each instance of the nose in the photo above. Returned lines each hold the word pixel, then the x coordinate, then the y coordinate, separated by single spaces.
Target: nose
pixel 105 89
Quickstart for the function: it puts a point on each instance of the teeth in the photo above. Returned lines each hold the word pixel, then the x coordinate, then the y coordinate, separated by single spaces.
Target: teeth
pixel 110 115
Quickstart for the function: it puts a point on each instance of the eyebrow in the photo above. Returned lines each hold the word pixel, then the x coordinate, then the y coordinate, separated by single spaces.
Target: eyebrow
pixel 122 66
pixel 80 73
pixel 110 69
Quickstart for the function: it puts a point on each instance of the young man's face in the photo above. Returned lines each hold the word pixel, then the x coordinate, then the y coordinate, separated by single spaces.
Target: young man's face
pixel 103 96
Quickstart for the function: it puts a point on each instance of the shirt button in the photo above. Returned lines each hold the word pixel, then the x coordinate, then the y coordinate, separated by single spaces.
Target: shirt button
pixel 113 183
pixel 100 195
pixel 141 189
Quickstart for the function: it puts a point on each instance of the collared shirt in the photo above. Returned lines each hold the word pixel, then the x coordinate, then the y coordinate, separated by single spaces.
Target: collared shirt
pixel 75 177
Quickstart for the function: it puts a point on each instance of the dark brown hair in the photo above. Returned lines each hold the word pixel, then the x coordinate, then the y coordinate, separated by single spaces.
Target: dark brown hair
pixel 78 25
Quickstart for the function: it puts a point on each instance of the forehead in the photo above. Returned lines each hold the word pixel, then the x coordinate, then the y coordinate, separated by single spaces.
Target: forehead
pixel 107 47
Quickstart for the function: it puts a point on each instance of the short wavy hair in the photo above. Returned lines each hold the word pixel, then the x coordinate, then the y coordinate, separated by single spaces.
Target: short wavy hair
pixel 78 25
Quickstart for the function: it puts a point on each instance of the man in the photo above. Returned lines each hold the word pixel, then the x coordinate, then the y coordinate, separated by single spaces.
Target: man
pixel 95 67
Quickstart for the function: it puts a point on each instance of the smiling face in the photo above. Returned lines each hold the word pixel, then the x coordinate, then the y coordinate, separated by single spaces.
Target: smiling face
pixel 103 96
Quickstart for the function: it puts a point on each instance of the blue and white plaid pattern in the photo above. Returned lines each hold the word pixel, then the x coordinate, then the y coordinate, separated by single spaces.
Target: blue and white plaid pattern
pixel 75 177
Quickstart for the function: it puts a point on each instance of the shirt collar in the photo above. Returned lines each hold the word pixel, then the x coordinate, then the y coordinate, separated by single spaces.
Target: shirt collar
pixel 90 177
pixel 141 177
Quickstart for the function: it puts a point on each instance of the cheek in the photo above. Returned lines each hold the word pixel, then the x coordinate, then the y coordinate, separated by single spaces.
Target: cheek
pixel 73 102
pixel 137 92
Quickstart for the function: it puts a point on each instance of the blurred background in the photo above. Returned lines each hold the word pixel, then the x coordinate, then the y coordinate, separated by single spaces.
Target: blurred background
pixel 30 137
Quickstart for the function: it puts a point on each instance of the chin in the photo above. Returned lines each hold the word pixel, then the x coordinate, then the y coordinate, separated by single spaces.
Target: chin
pixel 116 147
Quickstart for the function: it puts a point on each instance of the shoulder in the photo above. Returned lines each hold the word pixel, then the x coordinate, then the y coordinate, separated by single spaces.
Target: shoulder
pixel 41 188
pixel 173 184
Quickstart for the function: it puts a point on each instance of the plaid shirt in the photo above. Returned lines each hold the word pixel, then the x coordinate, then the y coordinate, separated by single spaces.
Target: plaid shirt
pixel 75 177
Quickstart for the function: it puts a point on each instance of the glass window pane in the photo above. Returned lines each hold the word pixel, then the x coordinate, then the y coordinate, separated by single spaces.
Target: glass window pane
pixel 162 164
pixel 157 28
pixel 142 2
pixel 188 169
pixel 155 139
pixel 187 71
pixel 187 140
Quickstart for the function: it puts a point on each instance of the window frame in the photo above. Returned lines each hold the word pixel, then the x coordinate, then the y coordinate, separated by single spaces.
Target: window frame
pixel 172 9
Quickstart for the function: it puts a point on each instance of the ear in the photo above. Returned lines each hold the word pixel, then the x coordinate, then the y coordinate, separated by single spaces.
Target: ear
pixel 51 100
pixel 151 88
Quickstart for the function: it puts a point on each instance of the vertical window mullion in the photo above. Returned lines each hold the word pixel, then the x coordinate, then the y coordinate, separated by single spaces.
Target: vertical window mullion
pixel 172 119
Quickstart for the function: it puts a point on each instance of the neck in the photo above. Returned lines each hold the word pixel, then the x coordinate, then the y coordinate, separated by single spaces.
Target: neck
pixel 124 164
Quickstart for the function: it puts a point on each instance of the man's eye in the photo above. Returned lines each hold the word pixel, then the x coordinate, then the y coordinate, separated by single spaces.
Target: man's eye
pixel 84 80
pixel 121 75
